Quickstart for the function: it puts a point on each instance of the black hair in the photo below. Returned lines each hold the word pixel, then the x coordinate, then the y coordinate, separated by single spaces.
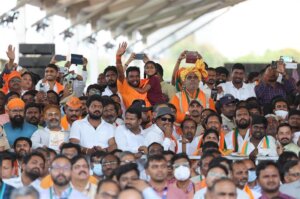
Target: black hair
pixel 154 158
pixel 150 62
pixel 60 156
pixel 134 111
pixel 251 105
pixel 210 131
pixel 8 95
pixel 181 156
pixel 106 100
pixel 263 165
pixel 220 166
pixel 28 157
pixel 294 112
pixel 7 156
pixel 110 154
pixel 116 151
pixel 94 86
pixel 106 181
pixel 77 158
pixel 56 95
pixel 83 97
pixel 209 144
pixel 288 165
pixel 213 114
pixel 159 69
pixel 70 145
pixel 252 75
pixel 52 66
pixel 22 139
pixel 204 156
pixel 125 169
pixel 30 92
pixel 279 99
pixel 284 125
pixel 240 107
pixel 52 151
pixel 222 70
pixel 97 154
pixel 93 98
pixel 132 68
pixel 186 120
pixel 238 66
pixel 33 105
pixel 110 68
pixel 169 152
pixel 155 143
pixel 219 160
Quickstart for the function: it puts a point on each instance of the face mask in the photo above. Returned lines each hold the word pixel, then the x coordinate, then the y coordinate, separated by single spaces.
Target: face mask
pixel 281 113
pixel 197 170
pixel 182 173
pixel 97 170
pixel 251 175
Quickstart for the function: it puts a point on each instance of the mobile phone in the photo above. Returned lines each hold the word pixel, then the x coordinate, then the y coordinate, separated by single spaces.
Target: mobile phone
pixel 139 56
pixel 60 58
pixel 191 57
pixel 274 65
pixel 214 94
pixel 286 59
pixel 76 59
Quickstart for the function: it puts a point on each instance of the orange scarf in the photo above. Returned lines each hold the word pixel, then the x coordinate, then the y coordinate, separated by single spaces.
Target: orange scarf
pixel 248 191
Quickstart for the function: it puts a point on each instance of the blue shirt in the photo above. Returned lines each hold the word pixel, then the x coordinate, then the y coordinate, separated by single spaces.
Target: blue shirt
pixel 13 133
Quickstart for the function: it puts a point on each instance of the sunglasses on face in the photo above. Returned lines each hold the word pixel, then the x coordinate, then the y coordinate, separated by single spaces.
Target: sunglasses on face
pixel 164 119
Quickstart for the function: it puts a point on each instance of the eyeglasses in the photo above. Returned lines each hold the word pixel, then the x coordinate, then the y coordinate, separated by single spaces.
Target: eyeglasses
pixel 185 164
pixel 164 119
pixel 105 164
pixel 61 168
pixel 15 80
pixel 295 175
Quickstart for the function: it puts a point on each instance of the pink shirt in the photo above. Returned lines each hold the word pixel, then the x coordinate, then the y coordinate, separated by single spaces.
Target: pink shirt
pixel 172 192
pixel 4 118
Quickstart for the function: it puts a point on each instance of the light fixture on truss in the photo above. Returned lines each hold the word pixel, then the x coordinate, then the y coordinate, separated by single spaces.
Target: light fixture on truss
pixel 9 17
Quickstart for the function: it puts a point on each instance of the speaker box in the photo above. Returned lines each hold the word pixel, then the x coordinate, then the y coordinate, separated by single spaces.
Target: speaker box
pixel 42 49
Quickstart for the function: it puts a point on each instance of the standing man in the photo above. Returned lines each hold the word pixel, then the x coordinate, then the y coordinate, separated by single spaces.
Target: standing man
pixel 161 130
pixel 167 89
pixel 92 133
pixel 237 88
pixel 235 138
pixel 61 176
pixel 73 112
pixel 268 177
pixel 52 135
pixel 209 83
pixel 17 127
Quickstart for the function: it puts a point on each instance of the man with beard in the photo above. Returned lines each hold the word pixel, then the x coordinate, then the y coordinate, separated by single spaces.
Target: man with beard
pixel 162 129
pixel 240 179
pixel 271 86
pixel 110 112
pixel 109 163
pixel 209 82
pixel 195 109
pixel 73 113
pixel 235 138
pixel 83 100
pixel 221 75
pixel 53 131
pixel 268 177
pixel 17 127
pixel 80 177
pixel 228 105
pixel 285 139
pixel 92 133
pixel 33 113
pixel 60 172
pixel 237 88
pixel 32 168
pixel 131 137
pixel 126 86
pixel 22 147
pixel 259 144
pixel 188 142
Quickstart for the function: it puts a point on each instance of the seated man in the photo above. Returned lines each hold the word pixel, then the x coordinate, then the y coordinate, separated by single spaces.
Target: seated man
pixel 285 139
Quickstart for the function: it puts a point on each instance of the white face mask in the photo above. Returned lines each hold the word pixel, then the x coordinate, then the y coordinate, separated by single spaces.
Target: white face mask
pixel 97 170
pixel 182 173
pixel 281 113
pixel 251 175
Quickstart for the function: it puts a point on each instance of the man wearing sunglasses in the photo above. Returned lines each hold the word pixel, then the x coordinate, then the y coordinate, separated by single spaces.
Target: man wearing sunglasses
pixel 161 130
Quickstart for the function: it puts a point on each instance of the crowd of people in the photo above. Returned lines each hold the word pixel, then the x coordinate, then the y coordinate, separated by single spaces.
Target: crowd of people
pixel 208 134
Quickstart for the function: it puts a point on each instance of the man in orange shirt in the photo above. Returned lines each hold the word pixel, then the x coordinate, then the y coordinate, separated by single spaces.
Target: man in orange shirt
pixel 126 85
pixel 73 112
pixel 191 78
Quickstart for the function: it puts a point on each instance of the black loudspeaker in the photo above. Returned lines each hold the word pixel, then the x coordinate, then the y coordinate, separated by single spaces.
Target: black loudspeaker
pixel 41 49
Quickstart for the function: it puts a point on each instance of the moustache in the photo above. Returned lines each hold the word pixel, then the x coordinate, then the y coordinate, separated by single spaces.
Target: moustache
pixel 82 172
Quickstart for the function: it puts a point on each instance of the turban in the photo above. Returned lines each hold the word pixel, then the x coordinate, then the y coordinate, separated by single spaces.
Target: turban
pixel 8 77
pixel 15 103
pixel 198 69
pixel 74 102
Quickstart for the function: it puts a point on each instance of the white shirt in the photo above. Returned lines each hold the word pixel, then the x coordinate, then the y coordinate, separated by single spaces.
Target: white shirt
pixel 296 137
pixel 41 137
pixel 229 140
pixel 40 86
pixel 45 194
pixel 190 147
pixel 201 194
pixel 15 182
pixel 155 134
pixel 88 136
pixel 128 141
pixel 271 151
pixel 242 93
pixel 205 89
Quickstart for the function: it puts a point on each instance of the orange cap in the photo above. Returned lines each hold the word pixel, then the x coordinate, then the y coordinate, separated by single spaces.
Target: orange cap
pixel 74 102
pixel 13 74
pixel 15 103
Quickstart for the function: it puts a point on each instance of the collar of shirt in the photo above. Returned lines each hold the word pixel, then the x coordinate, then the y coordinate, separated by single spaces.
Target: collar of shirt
pixel 65 194
pixel 243 86
pixel 86 188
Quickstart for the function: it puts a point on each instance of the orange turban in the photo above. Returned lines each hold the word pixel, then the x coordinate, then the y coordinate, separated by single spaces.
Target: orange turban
pixel 7 78
pixel 198 69
pixel 15 103
pixel 74 102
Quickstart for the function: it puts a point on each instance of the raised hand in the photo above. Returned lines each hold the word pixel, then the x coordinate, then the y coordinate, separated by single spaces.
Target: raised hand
pixel 146 58
pixel 122 49
pixel 10 52
pixel 182 55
